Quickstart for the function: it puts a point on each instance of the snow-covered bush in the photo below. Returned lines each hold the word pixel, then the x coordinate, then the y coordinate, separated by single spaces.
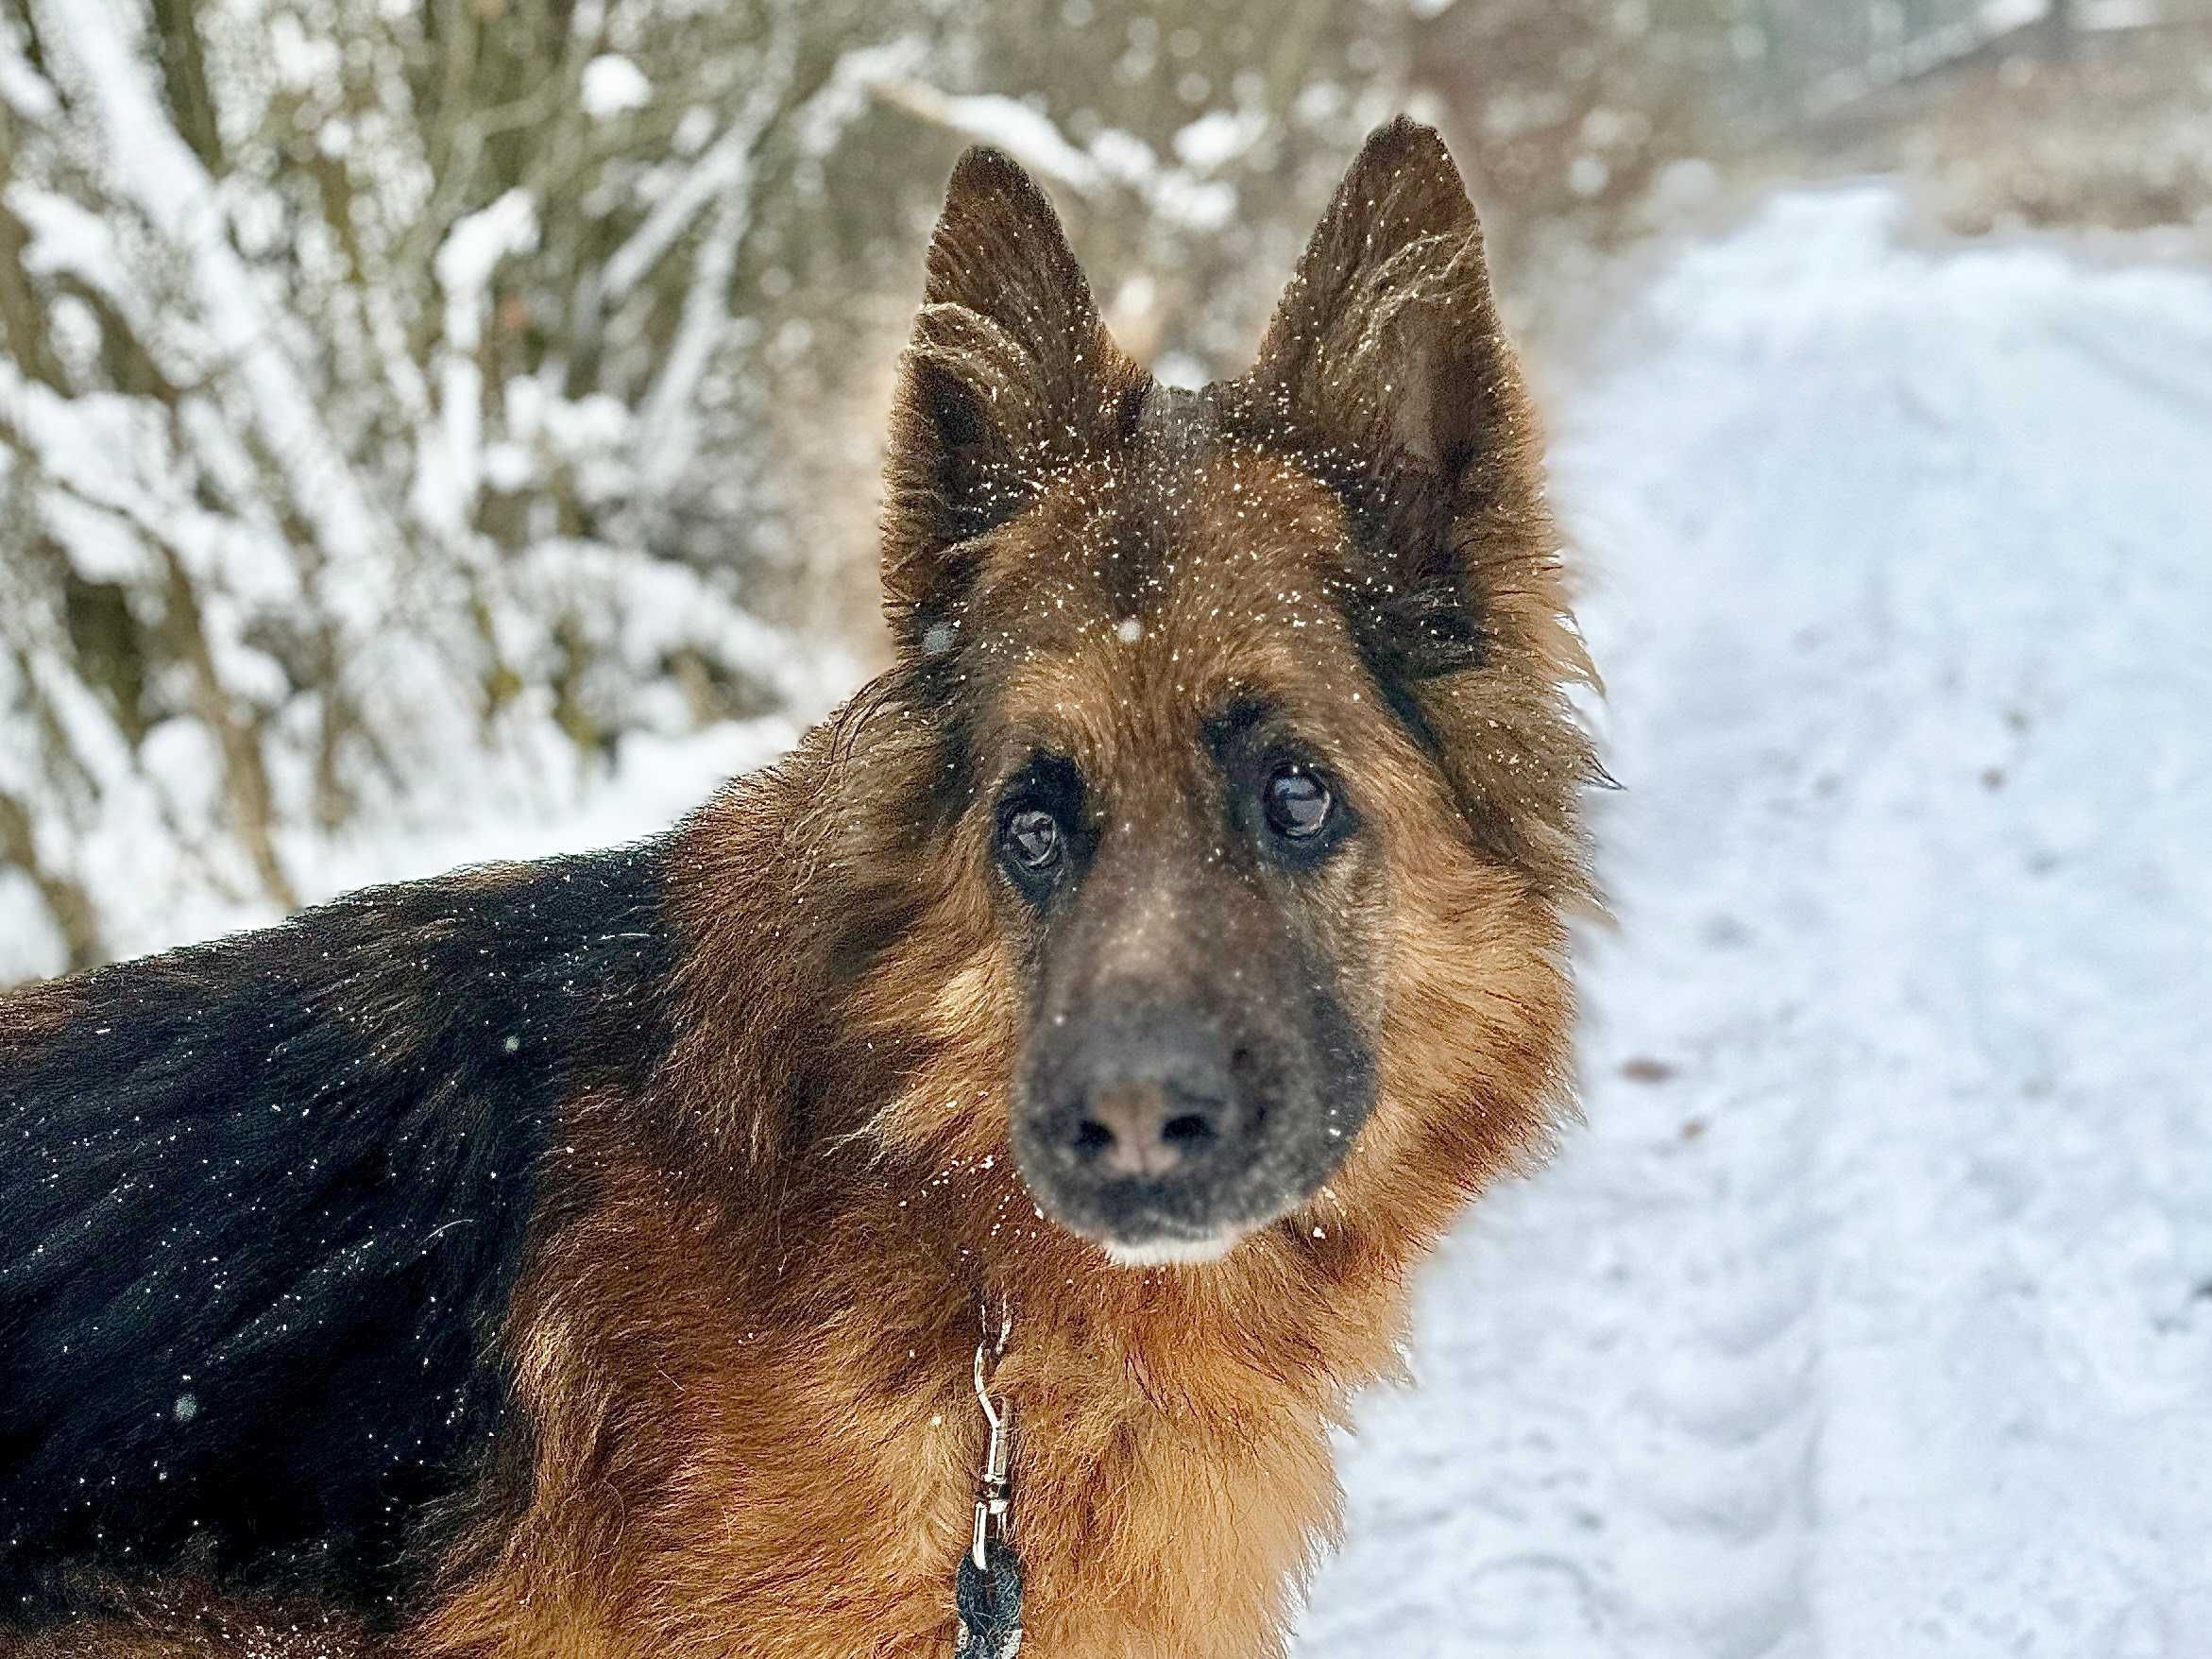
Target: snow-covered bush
pixel 368 381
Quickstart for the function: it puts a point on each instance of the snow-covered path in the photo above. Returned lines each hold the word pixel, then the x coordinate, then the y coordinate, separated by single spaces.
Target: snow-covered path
pixel 1871 1315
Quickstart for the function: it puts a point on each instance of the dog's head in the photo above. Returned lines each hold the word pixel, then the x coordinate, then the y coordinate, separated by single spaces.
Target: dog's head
pixel 1246 706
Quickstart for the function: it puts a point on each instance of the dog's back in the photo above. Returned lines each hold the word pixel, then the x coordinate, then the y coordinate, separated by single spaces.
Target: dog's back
pixel 261 1206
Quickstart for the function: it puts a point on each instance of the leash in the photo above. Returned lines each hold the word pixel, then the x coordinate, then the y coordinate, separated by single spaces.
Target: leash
pixel 988 1587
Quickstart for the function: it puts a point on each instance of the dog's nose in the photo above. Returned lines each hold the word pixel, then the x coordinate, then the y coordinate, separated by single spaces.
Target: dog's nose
pixel 1146 1129
pixel 1148 1095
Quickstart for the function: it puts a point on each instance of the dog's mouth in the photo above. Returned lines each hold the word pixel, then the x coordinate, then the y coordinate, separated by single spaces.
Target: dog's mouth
pixel 1172 1220
pixel 1172 1250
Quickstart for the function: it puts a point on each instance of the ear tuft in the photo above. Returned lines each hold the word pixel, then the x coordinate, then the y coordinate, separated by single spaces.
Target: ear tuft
pixel 1405 183
pixel 1386 358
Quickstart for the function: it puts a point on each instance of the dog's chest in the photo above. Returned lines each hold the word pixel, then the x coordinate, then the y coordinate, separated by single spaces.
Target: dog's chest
pixel 725 1489
pixel 1144 1534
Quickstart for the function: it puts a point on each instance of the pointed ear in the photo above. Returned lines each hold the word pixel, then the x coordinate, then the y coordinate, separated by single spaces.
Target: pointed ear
pixel 1387 336
pixel 1010 375
pixel 1385 352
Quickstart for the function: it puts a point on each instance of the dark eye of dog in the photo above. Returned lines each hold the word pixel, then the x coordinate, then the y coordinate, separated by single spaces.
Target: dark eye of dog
pixel 1298 804
pixel 1032 839
pixel 1042 834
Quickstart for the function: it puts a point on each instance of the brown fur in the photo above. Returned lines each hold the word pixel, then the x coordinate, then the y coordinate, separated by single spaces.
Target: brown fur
pixel 743 1339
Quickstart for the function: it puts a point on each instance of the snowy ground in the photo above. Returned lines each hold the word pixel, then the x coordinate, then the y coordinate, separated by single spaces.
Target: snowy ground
pixel 1871 1314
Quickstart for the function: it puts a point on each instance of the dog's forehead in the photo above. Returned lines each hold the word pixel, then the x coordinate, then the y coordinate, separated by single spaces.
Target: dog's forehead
pixel 1191 544
pixel 1141 596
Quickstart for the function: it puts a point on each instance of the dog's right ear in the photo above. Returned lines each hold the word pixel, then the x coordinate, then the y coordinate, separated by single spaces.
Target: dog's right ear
pixel 1010 374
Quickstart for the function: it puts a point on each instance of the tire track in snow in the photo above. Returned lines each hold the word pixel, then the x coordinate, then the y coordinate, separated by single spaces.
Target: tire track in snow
pixel 1724 1436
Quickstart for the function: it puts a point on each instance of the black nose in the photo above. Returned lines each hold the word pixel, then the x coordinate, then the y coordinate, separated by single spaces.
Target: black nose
pixel 1147 1095
pixel 1144 1129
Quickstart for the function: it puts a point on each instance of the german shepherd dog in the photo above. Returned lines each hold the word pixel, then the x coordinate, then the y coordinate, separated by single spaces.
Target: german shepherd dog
pixel 587 1259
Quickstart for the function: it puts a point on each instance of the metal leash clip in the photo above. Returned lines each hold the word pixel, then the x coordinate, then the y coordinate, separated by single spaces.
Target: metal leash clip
pixel 987 1589
pixel 994 1501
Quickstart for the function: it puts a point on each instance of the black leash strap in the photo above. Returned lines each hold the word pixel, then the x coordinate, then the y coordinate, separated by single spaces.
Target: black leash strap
pixel 990 1600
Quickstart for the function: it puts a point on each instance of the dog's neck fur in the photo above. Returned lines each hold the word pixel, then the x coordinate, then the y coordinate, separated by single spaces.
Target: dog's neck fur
pixel 797 1311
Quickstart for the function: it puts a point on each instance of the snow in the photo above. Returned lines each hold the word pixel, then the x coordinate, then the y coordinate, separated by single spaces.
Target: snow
pixel 518 802
pixel 613 85
pixel 2001 16
pixel 668 435
pixel 299 426
pixel 724 167
pixel 158 172
pixel 1114 157
pixel 1218 137
pixel 1587 175
pixel 843 96
pixel 471 251
pixel 451 472
pixel 1026 134
pixel 1177 195
pixel 1871 1312
pixel 21 86
pixel 65 237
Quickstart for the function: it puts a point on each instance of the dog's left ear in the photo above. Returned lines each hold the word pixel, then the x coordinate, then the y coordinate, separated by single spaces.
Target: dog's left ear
pixel 1388 334
pixel 1387 353
pixel 1010 374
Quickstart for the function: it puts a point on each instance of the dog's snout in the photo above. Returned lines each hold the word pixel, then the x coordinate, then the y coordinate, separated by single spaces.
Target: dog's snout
pixel 1147 1096
pixel 1166 1114
pixel 1144 1129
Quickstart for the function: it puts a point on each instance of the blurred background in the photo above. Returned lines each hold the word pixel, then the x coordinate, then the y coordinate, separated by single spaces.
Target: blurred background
pixel 409 407
pixel 433 429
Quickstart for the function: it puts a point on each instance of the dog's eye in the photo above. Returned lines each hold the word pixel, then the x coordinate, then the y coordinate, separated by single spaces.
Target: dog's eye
pixel 1298 804
pixel 1032 839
